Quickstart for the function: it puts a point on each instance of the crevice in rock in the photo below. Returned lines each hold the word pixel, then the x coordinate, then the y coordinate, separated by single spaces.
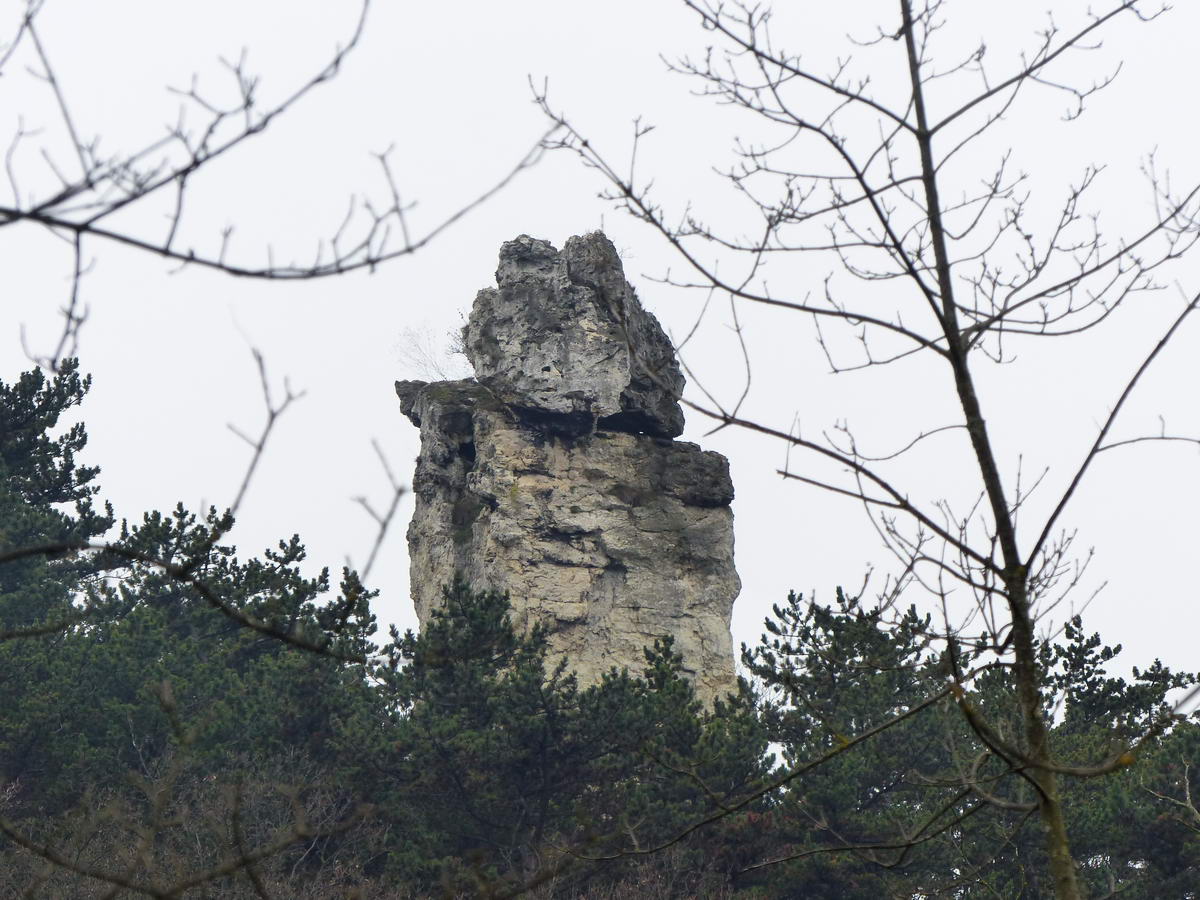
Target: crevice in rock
pixel 569 425
pixel 467 451
pixel 630 423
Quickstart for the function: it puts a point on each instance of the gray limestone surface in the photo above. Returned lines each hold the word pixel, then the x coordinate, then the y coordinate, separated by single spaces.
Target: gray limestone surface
pixel 564 332
pixel 568 492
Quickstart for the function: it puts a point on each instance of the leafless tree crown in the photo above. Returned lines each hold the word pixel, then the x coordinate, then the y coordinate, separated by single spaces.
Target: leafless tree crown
pixel 871 166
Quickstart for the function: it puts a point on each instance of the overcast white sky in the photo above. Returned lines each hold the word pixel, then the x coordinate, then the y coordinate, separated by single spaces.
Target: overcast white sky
pixel 445 84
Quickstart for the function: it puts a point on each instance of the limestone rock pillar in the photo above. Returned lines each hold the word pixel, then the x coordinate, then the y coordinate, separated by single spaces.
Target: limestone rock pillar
pixel 554 476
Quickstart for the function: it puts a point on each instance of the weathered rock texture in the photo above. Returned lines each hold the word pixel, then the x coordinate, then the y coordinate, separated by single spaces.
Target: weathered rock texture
pixel 554 477
pixel 564 333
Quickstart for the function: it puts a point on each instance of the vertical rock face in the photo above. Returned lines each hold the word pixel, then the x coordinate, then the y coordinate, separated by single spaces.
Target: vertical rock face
pixel 553 475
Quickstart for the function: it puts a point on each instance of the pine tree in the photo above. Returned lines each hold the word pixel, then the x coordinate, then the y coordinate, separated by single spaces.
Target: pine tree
pixel 124 679
pixel 905 812
pixel 46 508
pixel 502 773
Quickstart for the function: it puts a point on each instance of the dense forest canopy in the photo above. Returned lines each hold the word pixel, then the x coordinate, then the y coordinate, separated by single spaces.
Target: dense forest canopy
pixel 153 743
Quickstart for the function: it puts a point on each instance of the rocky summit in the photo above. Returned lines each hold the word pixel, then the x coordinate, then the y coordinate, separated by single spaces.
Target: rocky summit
pixel 564 334
pixel 554 476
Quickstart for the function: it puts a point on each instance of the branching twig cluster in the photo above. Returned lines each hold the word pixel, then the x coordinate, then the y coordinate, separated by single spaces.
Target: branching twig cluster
pixel 93 188
pixel 930 258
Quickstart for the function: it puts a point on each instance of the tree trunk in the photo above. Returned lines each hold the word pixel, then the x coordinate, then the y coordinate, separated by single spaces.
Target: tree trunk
pixel 1014 575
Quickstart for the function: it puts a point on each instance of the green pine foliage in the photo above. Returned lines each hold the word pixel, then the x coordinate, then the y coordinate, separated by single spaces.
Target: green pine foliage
pixel 169 706
pixel 896 815
pixel 45 508
pixel 116 672
pixel 505 775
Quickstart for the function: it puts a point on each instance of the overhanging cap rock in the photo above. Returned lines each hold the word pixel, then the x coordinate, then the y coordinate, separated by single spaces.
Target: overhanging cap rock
pixel 564 333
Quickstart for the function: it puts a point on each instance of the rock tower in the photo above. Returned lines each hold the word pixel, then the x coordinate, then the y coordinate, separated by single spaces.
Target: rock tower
pixel 554 474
